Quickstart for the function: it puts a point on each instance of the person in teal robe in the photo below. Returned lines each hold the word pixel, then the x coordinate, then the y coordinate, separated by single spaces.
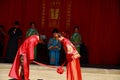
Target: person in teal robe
pixel 32 31
pixel 76 38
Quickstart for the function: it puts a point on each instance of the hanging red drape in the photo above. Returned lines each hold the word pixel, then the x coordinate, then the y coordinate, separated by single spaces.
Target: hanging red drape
pixel 98 21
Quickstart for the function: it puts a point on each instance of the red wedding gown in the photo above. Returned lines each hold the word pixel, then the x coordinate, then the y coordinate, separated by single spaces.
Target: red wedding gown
pixel 73 65
pixel 27 50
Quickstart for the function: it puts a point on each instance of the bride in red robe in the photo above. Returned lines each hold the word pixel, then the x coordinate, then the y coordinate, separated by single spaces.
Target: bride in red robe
pixel 72 55
pixel 24 56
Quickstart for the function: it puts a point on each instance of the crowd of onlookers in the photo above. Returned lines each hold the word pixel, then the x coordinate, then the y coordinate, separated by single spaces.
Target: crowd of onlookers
pixel 50 51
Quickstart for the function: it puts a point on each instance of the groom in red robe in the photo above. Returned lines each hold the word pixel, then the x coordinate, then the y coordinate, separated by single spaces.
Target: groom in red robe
pixel 73 65
pixel 24 56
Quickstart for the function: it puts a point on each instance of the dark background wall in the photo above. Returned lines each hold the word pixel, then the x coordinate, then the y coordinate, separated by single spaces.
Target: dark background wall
pixel 99 22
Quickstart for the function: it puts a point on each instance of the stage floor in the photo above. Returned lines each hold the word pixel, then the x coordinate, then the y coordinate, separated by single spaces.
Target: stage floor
pixel 45 73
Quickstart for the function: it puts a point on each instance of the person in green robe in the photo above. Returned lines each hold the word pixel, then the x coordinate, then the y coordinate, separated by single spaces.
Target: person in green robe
pixel 76 38
pixel 32 31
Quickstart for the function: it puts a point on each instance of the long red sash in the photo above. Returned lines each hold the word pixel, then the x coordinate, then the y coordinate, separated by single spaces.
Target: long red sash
pixel 54 67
